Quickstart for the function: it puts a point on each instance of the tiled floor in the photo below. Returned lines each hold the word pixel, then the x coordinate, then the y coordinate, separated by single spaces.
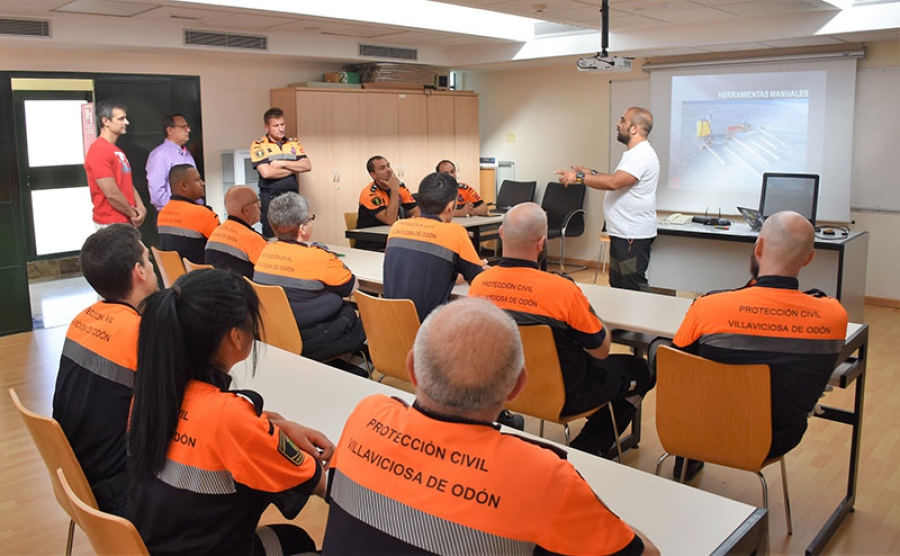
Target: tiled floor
pixel 56 302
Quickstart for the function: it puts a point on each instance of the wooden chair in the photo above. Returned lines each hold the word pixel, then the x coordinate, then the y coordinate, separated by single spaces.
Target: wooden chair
pixel 169 265
pixel 279 328
pixel 716 413
pixel 391 326
pixel 55 450
pixel 350 220
pixel 190 267
pixel 545 393
pixel 110 535
pixel 603 257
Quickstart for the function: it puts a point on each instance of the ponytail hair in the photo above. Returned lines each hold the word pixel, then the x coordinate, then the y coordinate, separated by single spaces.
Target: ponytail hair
pixel 181 330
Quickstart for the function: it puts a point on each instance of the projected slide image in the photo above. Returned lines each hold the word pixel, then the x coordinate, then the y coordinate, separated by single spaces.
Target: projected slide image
pixel 738 141
pixel 727 130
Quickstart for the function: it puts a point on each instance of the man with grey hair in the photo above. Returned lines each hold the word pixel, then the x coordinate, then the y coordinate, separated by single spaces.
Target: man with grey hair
pixel 314 279
pixel 109 172
pixel 443 464
pixel 590 374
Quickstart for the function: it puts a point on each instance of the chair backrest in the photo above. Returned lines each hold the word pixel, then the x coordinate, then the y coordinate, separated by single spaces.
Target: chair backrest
pixel 169 265
pixel 711 411
pixel 110 535
pixel 350 220
pixel 544 394
pixel 513 193
pixel 279 328
pixel 391 326
pixel 559 202
pixel 57 453
pixel 190 267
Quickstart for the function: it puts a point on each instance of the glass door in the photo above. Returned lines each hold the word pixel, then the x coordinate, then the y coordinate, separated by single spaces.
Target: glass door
pixel 51 136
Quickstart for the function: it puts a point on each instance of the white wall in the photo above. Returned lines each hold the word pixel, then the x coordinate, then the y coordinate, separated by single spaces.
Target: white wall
pixel 561 117
pixel 234 89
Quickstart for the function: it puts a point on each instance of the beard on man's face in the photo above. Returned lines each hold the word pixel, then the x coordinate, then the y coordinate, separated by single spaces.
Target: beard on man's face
pixel 754 266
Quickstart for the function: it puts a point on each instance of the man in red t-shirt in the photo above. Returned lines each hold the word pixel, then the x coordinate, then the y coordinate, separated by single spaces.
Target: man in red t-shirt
pixel 109 172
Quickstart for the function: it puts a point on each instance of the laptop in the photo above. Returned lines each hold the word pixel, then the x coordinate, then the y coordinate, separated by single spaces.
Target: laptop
pixel 753 217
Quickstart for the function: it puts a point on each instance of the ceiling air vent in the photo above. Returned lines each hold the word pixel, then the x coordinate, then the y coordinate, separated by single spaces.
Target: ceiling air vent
pixel 379 51
pixel 225 40
pixel 25 27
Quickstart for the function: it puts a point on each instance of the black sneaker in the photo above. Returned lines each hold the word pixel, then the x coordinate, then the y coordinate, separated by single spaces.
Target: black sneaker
pixel 694 467
pixel 511 419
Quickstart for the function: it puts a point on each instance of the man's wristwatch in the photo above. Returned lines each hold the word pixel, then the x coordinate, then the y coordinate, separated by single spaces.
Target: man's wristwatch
pixel 579 177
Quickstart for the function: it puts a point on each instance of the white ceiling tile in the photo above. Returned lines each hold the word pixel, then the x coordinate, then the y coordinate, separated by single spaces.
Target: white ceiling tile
pixel 734 47
pixel 411 38
pixel 106 7
pixel 802 41
pixel 249 22
pixel 769 7
pixel 337 28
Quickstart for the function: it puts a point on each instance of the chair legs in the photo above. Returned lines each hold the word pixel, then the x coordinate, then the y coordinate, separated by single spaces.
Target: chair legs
pixel 71 537
pixel 612 415
pixel 562 257
pixel 602 259
pixel 787 499
pixel 660 461
pixel 762 481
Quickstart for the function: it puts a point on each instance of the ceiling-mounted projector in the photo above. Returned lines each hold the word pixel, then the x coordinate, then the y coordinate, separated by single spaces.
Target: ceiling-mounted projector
pixel 603 63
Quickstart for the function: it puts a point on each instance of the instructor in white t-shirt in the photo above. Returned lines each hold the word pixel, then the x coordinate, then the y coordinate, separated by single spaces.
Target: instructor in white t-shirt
pixel 630 204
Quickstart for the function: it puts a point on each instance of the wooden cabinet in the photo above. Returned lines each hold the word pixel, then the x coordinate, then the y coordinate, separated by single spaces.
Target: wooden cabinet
pixel 341 129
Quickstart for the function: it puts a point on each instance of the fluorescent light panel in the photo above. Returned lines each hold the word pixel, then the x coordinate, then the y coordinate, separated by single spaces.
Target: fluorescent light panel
pixel 422 14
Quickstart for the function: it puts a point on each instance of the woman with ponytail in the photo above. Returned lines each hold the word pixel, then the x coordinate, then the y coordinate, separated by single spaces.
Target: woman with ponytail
pixel 205 461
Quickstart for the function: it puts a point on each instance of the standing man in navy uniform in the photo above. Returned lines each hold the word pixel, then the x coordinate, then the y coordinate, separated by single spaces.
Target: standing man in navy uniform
pixel 279 161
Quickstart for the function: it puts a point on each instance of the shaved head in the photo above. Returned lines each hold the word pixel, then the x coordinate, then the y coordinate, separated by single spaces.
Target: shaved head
pixel 475 381
pixel 523 228
pixel 642 118
pixel 242 202
pixel 237 197
pixel 785 244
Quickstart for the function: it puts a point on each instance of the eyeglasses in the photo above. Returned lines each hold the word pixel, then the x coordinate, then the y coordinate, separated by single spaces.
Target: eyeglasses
pixel 258 201
pixel 310 219
pixel 185 126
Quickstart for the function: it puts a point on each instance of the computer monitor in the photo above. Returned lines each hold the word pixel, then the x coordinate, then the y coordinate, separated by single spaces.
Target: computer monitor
pixel 796 192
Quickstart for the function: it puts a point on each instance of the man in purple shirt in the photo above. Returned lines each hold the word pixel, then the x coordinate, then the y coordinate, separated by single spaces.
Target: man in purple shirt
pixel 171 152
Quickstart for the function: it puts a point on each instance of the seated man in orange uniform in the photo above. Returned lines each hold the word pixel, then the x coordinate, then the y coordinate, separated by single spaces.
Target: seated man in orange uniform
pixel 426 254
pixel 184 226
pixel 468 202
pixel 313 278
pixel 380 201
pixel 96 371
pixel 591 375
pixel 514 496
pixel 798 334
pixel 235 245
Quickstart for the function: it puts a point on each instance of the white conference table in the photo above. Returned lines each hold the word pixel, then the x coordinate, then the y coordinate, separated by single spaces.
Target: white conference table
pixel 678 518
pixel 648 313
